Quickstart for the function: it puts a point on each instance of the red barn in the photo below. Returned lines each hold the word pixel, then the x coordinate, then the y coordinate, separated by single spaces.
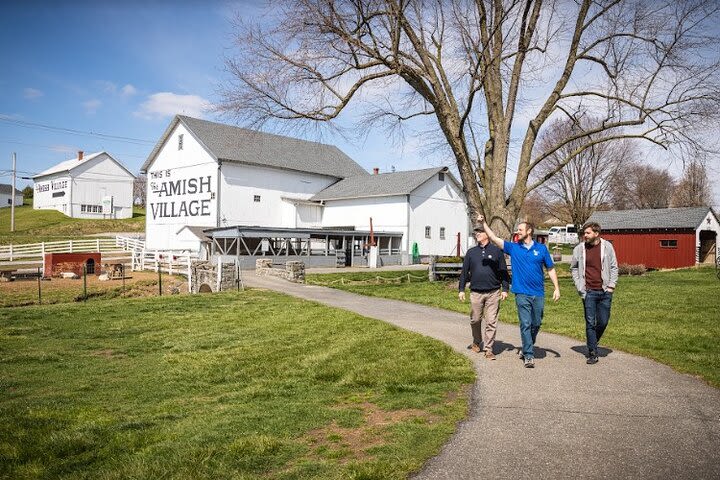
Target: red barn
pixel 661 238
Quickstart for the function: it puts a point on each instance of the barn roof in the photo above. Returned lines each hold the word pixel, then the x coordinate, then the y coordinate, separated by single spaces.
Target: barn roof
pixel 379 185
pixel 73 163
pixel 235 144
pixel 659 218
pixel 6 189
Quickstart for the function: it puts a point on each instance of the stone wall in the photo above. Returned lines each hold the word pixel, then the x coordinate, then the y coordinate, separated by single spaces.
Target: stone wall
pixel 205 279
pixel 293 271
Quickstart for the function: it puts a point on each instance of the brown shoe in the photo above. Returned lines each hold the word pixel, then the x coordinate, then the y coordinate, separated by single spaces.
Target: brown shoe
pixel 490 355
pixel 475 348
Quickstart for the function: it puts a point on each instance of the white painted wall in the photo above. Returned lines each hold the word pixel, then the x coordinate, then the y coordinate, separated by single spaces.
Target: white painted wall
pixel 6 200
pixel 240 184
pixel 389 214
pixel 58 184
pixel 97 178
pixel 438 204
pixel 181 190
pixel 708 223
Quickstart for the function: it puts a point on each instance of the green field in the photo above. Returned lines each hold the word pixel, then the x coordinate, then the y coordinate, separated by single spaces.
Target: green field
pixel 670 316
pixel 33 226
pixel 235 385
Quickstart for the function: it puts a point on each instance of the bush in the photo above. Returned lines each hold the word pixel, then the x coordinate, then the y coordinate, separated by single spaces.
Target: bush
pixel 626 269
pixel 449 260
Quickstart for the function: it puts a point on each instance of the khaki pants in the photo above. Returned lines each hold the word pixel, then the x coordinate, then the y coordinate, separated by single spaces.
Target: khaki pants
pixel 484 306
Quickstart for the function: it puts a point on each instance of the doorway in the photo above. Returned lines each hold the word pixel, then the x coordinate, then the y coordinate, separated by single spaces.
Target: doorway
pixel 708 246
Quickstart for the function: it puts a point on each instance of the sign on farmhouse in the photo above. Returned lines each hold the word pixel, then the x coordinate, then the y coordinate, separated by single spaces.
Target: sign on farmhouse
pixel 180 197
pixel 54 185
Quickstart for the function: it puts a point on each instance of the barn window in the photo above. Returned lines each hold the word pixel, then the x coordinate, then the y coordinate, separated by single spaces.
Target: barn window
pixel 427 232
pixel 180 141
pixel 442 233
pixel 668 243
pixel 256 198
pixel 441 176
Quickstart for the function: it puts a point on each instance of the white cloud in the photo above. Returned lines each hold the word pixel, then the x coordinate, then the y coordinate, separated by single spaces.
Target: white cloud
pixel 32 93
pixel 167 104
pixel 91 106
pixel 128 91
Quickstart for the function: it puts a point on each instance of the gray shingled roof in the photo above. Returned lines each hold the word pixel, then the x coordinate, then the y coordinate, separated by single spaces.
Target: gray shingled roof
pixel 383 184
pixel 234 144
pixel 685 217
pixel 5 189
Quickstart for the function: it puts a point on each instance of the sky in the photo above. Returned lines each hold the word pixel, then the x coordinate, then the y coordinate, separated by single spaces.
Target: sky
pixel 109 75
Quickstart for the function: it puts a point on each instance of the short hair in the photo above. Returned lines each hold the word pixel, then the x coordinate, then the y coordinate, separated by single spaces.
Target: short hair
pixel 592 225
pixel 529 226
pixel 479 229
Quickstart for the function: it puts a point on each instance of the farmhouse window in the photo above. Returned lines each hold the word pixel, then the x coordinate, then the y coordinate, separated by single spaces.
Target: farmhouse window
pixel 427 232
pixel 442 233
pixel 180 141
pixel 668 243
pixel 441 176
pixel 256 198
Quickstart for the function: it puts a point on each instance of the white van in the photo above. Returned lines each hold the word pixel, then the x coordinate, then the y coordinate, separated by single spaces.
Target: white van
pixel 567 234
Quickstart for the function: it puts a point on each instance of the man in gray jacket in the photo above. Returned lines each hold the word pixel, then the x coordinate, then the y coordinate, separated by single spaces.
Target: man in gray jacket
pixel 595 272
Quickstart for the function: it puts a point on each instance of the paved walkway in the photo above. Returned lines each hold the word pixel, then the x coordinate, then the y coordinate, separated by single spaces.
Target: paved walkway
pixel 626 417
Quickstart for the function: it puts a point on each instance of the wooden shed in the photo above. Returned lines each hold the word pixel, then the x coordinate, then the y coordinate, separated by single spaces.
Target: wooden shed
pixel 662 238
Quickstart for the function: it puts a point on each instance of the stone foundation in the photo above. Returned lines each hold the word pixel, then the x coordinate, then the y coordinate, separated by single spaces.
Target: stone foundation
pixel 292 271
pixel 205 277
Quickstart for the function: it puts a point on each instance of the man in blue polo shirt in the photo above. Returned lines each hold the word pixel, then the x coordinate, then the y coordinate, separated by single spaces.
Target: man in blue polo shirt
pixel 528 282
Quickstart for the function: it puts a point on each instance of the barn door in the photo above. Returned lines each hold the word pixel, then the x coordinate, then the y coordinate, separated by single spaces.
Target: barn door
pixel 708 246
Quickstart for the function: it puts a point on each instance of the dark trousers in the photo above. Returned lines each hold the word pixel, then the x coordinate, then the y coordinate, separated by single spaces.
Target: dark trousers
pixel 597 315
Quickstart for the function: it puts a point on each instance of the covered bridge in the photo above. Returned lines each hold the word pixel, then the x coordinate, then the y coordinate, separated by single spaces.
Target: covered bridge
pixel 661 238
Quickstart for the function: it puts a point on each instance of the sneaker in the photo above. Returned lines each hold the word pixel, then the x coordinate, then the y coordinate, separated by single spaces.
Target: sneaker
pixel 592 359
pixel 490 355
pixel 474 347
pixel 520 355
pixel 529 363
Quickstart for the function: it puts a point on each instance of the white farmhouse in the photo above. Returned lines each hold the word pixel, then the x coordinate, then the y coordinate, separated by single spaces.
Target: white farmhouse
pixel 427 206
pixel 207 180
pixel 6 196
pixel 88 186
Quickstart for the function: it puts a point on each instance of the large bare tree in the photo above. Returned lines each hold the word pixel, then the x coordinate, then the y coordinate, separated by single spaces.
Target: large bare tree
pixel 578 187
pixel 641 186
pixel 693 189
pixel 490 74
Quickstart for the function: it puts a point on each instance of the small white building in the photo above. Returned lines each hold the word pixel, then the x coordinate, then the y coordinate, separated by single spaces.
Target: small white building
pixel 204 175
pixel 6 196
pixel 88 186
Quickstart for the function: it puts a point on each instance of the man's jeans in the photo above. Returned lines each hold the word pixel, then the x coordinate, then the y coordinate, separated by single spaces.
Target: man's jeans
pixel 530 313
pixel 597 315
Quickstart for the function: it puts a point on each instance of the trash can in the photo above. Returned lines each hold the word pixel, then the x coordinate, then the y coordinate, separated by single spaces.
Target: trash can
pixel 415 253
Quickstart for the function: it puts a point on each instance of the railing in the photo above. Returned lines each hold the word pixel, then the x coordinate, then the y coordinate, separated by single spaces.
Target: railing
pixel 129 244
pixel 172 263
pixel 36 251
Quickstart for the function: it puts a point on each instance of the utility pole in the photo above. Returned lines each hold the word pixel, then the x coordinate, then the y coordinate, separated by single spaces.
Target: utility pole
pixel 12 196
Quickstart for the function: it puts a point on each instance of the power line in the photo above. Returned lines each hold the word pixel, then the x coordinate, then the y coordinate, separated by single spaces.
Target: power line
pixel 42 126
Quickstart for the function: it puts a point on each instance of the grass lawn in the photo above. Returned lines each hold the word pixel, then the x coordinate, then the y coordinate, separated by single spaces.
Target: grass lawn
pixel 670 316
pixel 33 226
pixel 233 385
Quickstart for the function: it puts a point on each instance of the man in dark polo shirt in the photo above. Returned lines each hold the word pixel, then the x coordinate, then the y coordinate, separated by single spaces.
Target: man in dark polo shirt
pixel 484 266
pixel 595 272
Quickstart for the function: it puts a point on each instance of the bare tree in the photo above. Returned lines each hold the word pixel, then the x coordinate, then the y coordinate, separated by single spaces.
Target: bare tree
pixel 640 187
pixel 578 187
pixel 490 73
pixel 693 189
pixel 140 190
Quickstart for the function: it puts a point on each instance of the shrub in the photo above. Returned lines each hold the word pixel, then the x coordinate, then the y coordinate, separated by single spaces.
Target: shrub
pixel 626 269
pixel 449 260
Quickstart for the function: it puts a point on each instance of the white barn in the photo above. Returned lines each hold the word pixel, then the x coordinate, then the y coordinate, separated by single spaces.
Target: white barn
pixel 88 186
pixel 204 175
pixel 6 196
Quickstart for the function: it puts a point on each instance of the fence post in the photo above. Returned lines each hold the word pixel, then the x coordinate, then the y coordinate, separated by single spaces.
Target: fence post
pixel 189 273
pixel 39 288
pixel 97 241
pixel 159 270
pixel 431 270
pixel 71 246
pixel 42 249
pixel 84 283
pixel 11 252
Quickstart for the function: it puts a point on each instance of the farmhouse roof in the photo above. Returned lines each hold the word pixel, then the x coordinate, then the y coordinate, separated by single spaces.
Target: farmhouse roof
pixel 659 218
pixel 74 163
pixel 379 185
pixel 5 189
pixel 235 144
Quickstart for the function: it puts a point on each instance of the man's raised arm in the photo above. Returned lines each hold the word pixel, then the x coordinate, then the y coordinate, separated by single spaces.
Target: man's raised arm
pixel 491 235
